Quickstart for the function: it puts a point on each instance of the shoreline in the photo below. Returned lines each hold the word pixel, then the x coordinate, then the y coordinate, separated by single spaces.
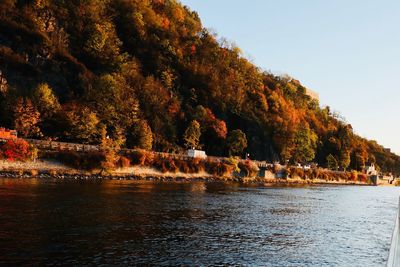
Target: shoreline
pixel 19 174
pixel 43 169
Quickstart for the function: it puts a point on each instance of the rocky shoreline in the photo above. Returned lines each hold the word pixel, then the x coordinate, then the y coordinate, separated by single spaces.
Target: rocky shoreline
pixel 19 174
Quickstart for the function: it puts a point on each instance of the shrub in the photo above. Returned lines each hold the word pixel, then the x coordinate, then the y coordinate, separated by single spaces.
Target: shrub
pixel 308 174
pixel 249 168
pixel 124 162
pixel 225 169
pixel 276 169
pixel 285 172
pixel 82 161
pixel 315 173
pixel 296 173
pixel 362 177
pixel 18 150
pixel 270 168
pixel 165 164
pixel 141 157
pixel 353 176
pixel 218 168
pixel 234 163
pixel 196 165
pixel 324 176
pixel 183 166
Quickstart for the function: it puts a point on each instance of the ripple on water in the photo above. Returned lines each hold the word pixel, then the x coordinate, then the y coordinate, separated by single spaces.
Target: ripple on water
pixel 131 223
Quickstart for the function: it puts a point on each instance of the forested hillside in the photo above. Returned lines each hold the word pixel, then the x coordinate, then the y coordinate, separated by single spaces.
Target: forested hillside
pixel 147 74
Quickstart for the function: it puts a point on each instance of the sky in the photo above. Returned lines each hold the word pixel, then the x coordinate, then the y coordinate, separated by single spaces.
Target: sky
pixel 346 50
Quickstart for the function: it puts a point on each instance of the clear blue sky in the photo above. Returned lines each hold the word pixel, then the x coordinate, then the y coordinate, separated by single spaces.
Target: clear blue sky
pixel 347 50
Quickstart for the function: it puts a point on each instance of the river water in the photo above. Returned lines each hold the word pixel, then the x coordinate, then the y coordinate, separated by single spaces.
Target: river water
pixel 122 223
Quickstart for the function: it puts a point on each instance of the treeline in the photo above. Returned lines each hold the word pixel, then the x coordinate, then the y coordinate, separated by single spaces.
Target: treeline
pixel 147 74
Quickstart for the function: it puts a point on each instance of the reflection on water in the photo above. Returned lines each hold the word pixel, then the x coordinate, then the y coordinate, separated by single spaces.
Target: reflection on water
pixel 130 223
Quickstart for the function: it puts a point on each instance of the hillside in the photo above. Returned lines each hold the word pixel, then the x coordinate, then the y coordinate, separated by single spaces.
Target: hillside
pixel 147 74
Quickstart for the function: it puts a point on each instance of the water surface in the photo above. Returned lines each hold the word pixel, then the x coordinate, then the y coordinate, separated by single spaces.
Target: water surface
pixel 142 223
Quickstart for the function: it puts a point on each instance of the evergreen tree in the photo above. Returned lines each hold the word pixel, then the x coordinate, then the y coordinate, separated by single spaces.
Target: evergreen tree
pixel 331 162
pixel 237 142
pixel 305 145
pixel 344 160
pixel 140 136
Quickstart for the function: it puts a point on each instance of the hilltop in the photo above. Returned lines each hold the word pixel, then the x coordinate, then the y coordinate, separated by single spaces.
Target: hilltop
pixel 147 74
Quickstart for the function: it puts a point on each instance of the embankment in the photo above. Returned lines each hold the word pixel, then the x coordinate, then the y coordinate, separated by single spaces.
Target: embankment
pixel 46 169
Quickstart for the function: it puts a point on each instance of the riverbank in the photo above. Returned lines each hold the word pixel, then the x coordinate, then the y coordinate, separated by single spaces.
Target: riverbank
pixel 43 169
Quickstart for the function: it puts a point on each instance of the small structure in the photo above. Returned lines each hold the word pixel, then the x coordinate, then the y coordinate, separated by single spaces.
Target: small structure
pixel 193 153
pixel 6 134
pixel 370 170
pixel 372 173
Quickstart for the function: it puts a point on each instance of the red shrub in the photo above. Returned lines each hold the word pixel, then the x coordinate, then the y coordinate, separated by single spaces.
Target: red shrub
pixel 353 176
pixel 362 177
pixel 141 157
pixel 124 162
pixel 16 150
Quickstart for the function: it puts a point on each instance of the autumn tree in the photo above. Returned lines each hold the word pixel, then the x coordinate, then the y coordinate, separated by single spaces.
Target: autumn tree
pixel 118 61
pixel 110 149
pixel 26 118
pixel 213 130
pixel 191 137
pixel 237 142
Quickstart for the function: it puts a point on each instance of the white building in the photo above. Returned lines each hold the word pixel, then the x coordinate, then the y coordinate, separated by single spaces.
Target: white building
pixel 370 170
pixel 196 153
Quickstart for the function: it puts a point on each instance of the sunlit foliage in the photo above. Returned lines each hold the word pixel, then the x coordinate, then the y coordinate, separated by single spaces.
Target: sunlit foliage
pixel 143 70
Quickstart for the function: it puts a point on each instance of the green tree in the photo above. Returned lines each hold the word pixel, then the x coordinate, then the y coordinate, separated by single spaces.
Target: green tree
pixel 237 142
pixel 103 44
pixel 140 136
pixel 332 162
pixel 344 160
pixel 191 137
pixel 305 145
pixel 45 100
pixel 82 124
pixel 26 118
pixel 114 101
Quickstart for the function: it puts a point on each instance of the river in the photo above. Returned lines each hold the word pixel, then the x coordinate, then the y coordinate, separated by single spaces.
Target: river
pixel 50 222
